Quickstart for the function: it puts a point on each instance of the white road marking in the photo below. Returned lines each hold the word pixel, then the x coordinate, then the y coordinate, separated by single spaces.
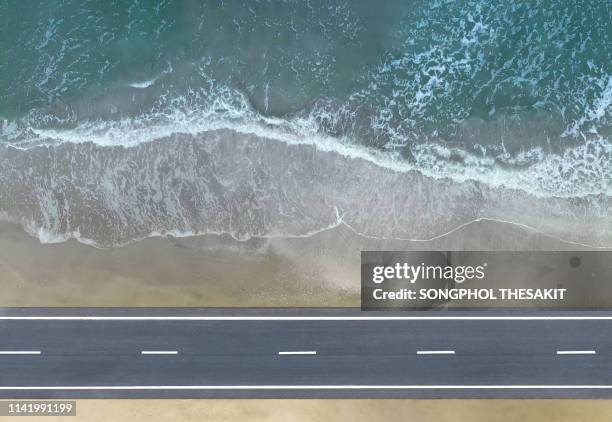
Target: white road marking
pixel 159 352
pixel 305 318
pixel 304 352
pixel 435 352
pixel 576 352
pixel 20 352
pixel 317 387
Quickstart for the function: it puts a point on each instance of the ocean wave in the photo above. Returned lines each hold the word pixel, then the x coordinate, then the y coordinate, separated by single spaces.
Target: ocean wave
pixel 246 186
pixel 582 169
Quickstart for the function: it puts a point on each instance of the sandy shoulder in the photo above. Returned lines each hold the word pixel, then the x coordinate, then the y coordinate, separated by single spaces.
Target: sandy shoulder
pixel 338 410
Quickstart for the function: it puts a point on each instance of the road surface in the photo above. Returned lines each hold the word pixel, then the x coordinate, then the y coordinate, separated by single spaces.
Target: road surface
pixel 303 353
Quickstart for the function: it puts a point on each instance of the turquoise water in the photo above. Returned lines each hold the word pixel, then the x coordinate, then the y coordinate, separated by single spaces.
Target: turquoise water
pixel 388 74
pixel 514 95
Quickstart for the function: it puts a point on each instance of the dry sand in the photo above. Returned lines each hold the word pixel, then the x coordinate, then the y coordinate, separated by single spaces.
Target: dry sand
pixel 153 272
pixel 338 410
pixel 322 270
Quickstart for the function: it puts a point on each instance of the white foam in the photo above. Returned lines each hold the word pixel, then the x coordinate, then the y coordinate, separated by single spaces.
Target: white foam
pixel 595 112
pixel 150 82
pixel 143 84
pixel 580 171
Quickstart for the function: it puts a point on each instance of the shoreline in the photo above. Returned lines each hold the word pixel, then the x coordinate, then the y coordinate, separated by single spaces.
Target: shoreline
pixel 180 235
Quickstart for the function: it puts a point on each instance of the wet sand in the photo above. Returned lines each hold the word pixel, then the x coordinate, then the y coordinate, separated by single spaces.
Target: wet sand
pixel 223 181
pixel 321 270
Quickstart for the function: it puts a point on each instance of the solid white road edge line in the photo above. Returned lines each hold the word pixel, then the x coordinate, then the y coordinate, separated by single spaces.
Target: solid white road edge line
pixel 305 318
pixel 317 387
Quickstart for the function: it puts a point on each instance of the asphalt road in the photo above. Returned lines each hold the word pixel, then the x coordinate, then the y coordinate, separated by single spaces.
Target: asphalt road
pixel 304 354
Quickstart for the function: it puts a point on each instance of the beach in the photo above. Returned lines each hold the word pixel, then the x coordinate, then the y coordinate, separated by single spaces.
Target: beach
pixel 216 271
